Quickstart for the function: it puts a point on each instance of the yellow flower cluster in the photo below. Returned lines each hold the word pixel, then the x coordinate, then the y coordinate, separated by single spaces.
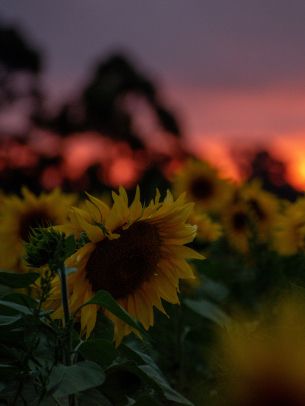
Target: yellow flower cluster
pixel 241 214
pixel 137 253
pixel 261 360
pixel 19 215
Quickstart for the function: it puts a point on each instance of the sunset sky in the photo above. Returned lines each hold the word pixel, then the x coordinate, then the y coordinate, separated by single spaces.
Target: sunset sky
pixel 233 70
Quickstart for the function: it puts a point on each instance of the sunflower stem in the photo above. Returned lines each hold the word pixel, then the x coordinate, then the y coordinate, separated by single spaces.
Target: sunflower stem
pixel 64 295
pixel 67 325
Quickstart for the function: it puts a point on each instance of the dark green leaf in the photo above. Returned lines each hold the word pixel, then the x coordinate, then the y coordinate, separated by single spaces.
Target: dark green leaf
pixel 98 350
pixel 105 300
pixel 6 321
pixel 18 280
pixel 67 380
pixel 208 310
pixel 70 246
pixel 21 299
pixel 8 371
pixel 93 397
pixel 15 307
pixel 132 352
pixel 143 400
pixel 153 374
pixel 214 290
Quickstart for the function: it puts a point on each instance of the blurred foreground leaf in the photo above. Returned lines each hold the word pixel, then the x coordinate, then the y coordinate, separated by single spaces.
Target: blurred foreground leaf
pixel 67 380
pixel 208 310
pixel 18 280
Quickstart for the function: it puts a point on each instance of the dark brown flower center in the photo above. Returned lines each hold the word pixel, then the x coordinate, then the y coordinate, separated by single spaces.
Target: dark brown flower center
pixel 121 266
pixel 240 221
pixel 34 219
pixel 202 188
pixel 257 209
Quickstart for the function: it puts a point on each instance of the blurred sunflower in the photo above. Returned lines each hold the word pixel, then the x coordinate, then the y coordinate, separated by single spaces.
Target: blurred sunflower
pixel 263 207
pixel 236 222
pixel 207 229
pixel 202 185
pixel 262 363
pixel 289 234
pixel 136 253
pixel 19 215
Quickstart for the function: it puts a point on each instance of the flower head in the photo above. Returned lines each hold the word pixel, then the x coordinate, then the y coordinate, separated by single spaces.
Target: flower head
pixel 202 185
pixel 236 222
pixel 136 253
pixel 21 215
pixel 263 208
pixel 289 233
pixel 207 229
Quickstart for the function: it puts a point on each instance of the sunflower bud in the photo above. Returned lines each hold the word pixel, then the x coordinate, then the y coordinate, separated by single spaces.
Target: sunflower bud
pixel 46 246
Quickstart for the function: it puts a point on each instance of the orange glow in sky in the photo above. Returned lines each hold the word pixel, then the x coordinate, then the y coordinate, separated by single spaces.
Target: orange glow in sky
pixel 122 168
pixel 291 149
pixel 288 148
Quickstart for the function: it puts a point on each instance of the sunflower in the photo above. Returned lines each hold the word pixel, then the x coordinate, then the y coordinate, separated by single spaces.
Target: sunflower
pixel 207 229
pixel 202 185
pixel 236 221
pixel 262 361
pixel 263 207
pixel 136 253
pixel 289 234
pixel 19 215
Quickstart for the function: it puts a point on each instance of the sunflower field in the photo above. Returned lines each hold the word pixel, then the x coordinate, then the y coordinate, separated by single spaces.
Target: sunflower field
pixel 194 296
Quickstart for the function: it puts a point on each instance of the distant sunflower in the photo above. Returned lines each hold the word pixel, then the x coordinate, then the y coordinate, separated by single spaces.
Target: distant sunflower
pixel 236 221
pixel 289 234
pixel 262 361
pixel 19 215
pixel 207 229
pixel 263 207
pixel 202 184
pixel 136 253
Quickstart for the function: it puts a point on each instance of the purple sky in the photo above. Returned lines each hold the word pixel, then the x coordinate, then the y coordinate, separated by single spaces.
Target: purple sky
pixel 230 67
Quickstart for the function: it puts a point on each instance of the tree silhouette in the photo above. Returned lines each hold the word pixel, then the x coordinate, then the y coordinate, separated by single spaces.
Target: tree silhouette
pixel 18 59
pixel 273 174
pixel 101 106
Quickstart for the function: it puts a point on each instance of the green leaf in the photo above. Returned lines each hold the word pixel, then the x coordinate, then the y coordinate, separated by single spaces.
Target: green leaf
pixel 153 375
pixel 105 300
pixel 208 310
pixel 143 400
pixel 132 352
pixel 8 371
pixel 21 299
pixel 18 280
pixel 149 371
pixel 98 350
pixel 67 380
pixel 93 397
pixel 214 290
pixel 70 246
pixel 6 321
pixel 15 307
